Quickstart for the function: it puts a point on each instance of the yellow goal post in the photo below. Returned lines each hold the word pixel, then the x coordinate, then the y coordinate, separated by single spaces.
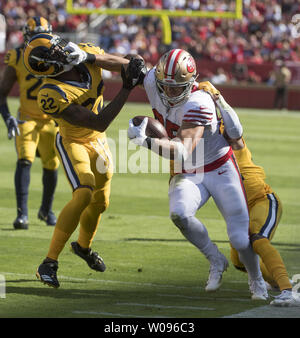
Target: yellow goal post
pixel 163 14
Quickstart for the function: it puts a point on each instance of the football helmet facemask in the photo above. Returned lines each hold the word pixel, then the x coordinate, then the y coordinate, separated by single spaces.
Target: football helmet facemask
pixel 175 68
pixel 36 25
pixel 44 55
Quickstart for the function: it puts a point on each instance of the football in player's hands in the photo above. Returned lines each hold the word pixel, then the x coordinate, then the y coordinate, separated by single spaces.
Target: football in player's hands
pixel 154 128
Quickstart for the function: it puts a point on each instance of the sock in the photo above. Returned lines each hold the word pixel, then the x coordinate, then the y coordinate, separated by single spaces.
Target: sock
pixel 273 262
pixel 196 233
pixel 234 257
pixel 90 218
pixel 22 180
pixel 68 220
pixel 49 184
pixel 251 262
pixel 89 221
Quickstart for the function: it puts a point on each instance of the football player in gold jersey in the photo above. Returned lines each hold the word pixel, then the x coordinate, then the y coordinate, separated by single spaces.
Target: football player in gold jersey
pixel 72 94
pixel 265 207
pixel 34 130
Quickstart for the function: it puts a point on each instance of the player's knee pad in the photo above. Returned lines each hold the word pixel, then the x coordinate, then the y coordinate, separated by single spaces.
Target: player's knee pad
pixel 259 243
pixel 100 201
pixel 182 222
pixel 239 241
pixel 82 197
pixel 178 220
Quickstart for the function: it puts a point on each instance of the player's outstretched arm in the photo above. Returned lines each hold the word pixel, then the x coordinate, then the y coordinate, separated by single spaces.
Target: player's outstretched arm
pixel 8 80
pixel 83 117
pixel 232 124
pixel 231 120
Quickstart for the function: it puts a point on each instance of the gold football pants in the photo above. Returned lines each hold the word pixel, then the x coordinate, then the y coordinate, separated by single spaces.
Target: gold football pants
pixel 264 219
pixel 89 169
pixel 37 135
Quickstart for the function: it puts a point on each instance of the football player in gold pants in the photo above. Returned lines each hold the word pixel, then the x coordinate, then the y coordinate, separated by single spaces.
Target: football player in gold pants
pixel 72 94
pixel 34 131
pixel 265 207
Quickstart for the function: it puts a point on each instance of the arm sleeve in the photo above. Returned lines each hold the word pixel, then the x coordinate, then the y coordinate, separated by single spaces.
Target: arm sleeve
pixel 232 124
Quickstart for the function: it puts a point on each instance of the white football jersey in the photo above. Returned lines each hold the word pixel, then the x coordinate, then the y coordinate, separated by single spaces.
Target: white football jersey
pixel 199 109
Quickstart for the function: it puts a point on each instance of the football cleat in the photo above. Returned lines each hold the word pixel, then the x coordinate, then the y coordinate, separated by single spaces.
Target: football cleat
pixel 21 222
pixel 46 273
pixel 287 298
pixel 258 289
pixel 49 218
pixel 93 260
pixel 176 69
pixel 217 266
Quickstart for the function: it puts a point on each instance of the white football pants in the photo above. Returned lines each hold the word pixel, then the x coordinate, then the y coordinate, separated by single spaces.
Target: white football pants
pixel 189 192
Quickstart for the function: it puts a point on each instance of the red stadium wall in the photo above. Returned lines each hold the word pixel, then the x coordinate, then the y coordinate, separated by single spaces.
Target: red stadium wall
pixel 246 96
pixel 240 95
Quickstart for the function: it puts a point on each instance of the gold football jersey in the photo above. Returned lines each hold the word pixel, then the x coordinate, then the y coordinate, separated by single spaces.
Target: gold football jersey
pixel 28 84
pixel 253 176
pixel 55 96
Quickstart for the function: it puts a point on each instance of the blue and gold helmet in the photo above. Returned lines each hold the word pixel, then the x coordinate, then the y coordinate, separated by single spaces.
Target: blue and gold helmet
pixel 44 55
pixel 36 25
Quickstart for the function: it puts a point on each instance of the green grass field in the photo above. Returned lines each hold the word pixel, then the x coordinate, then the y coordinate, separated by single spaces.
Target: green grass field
pixel 151 270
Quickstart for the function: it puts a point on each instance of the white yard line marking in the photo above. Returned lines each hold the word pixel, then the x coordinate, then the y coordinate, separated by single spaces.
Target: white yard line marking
pixel 103 281
pixel 114 314
pixel 168 306
pixel 207 298
pixel 268 311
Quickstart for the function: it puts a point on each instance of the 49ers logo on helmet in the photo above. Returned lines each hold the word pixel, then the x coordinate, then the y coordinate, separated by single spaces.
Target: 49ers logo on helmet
pixel 190 66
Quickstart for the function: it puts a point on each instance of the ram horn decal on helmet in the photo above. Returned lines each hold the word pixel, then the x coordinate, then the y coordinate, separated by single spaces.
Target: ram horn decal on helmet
pixel 44 55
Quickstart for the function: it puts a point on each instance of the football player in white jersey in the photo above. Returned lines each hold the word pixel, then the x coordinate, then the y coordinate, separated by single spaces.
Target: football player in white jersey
pixel 191 120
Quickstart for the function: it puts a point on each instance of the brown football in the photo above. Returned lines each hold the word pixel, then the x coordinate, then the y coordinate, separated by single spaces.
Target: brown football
pixel 154 128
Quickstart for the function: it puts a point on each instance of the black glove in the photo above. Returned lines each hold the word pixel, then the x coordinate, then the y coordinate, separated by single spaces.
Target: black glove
pixel 10 121
pixel 134 74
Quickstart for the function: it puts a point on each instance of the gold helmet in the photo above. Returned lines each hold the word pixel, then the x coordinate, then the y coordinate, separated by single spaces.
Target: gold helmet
pixel 175 68
pixel 36 25
pixel 44 55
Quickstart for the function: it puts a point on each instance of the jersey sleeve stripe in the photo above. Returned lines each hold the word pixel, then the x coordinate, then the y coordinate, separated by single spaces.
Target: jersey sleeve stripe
pixel 198 116
pixel 196 120
pixel 199 111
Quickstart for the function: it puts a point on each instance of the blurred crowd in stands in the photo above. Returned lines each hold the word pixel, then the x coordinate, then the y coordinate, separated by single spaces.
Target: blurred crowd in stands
pixel 263 36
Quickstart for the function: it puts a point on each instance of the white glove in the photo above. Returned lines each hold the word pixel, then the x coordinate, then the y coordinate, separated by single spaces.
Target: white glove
pixel 137 134
pixel 12 127
pixel 76 55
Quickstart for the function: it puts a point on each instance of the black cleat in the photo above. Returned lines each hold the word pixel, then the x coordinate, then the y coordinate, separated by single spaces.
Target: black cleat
pixel 46 273
pixel 94 261
pixel 49 218
pixel 21 222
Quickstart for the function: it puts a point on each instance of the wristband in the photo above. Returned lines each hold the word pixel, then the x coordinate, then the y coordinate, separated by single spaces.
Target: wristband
pixel 148 142
pixel 90 58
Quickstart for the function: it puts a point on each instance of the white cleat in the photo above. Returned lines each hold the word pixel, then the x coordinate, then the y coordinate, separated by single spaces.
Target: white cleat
pixel 258 289
pixel 275 288
pixel 217 266
pixel 287 298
